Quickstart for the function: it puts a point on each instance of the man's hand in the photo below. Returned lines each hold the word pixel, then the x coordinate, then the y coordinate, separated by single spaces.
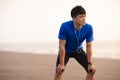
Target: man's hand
pixel 91 69
pixel 60 69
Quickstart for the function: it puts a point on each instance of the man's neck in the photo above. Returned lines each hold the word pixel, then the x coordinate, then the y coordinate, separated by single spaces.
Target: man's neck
pixel 77 27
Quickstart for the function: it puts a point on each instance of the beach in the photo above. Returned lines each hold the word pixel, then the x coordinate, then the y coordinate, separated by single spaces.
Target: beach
pixel 24 66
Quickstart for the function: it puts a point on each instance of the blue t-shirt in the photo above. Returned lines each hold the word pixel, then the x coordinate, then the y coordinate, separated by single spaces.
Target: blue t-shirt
pixel 73 37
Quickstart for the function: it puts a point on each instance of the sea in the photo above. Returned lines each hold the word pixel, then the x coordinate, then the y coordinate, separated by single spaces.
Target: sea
pixel 101 49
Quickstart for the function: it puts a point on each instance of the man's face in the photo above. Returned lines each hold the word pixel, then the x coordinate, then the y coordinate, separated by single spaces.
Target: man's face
pixel 80 19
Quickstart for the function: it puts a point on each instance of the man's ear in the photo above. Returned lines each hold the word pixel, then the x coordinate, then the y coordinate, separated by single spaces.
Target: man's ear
pixel 74 18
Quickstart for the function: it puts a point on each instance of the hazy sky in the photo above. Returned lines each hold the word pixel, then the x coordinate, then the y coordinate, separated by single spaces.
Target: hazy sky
pixel 23 21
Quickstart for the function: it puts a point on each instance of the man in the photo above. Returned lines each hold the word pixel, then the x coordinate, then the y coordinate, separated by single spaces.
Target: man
pixel 71 36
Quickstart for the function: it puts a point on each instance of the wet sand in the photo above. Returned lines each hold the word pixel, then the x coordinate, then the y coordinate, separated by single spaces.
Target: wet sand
pixel 26 66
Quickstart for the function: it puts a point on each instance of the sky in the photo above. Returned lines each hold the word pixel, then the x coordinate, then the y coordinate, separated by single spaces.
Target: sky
pixel 38 21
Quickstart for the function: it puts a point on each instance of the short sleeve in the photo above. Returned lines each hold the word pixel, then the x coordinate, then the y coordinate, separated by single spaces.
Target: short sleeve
pixel 62 33
pixel 89 37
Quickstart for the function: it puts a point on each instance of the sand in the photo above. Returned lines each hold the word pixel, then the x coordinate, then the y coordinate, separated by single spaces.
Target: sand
pixel 26 66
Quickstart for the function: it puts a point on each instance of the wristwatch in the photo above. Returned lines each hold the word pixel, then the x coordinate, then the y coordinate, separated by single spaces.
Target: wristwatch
pixel 90 63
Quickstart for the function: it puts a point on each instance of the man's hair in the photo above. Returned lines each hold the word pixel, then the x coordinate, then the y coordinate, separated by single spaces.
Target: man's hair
pixel 77 10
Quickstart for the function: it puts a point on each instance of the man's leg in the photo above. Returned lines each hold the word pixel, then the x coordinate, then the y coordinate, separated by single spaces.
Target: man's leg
pixel 58 73
pixel 82 60
pixel 91 76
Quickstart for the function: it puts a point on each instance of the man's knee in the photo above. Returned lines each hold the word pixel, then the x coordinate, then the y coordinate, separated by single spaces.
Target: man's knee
pixel 59 72
pixel 92 71
pixel 91 76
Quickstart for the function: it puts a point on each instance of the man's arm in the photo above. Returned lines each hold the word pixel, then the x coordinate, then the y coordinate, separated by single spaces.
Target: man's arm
pixel 62 51
pixel 91 67
pixel 89 51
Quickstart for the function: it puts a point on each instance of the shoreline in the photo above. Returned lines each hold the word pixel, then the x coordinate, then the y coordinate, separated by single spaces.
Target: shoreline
pixel 54 54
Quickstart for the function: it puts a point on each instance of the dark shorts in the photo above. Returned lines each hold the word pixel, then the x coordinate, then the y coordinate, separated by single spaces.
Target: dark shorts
pixel 80 57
